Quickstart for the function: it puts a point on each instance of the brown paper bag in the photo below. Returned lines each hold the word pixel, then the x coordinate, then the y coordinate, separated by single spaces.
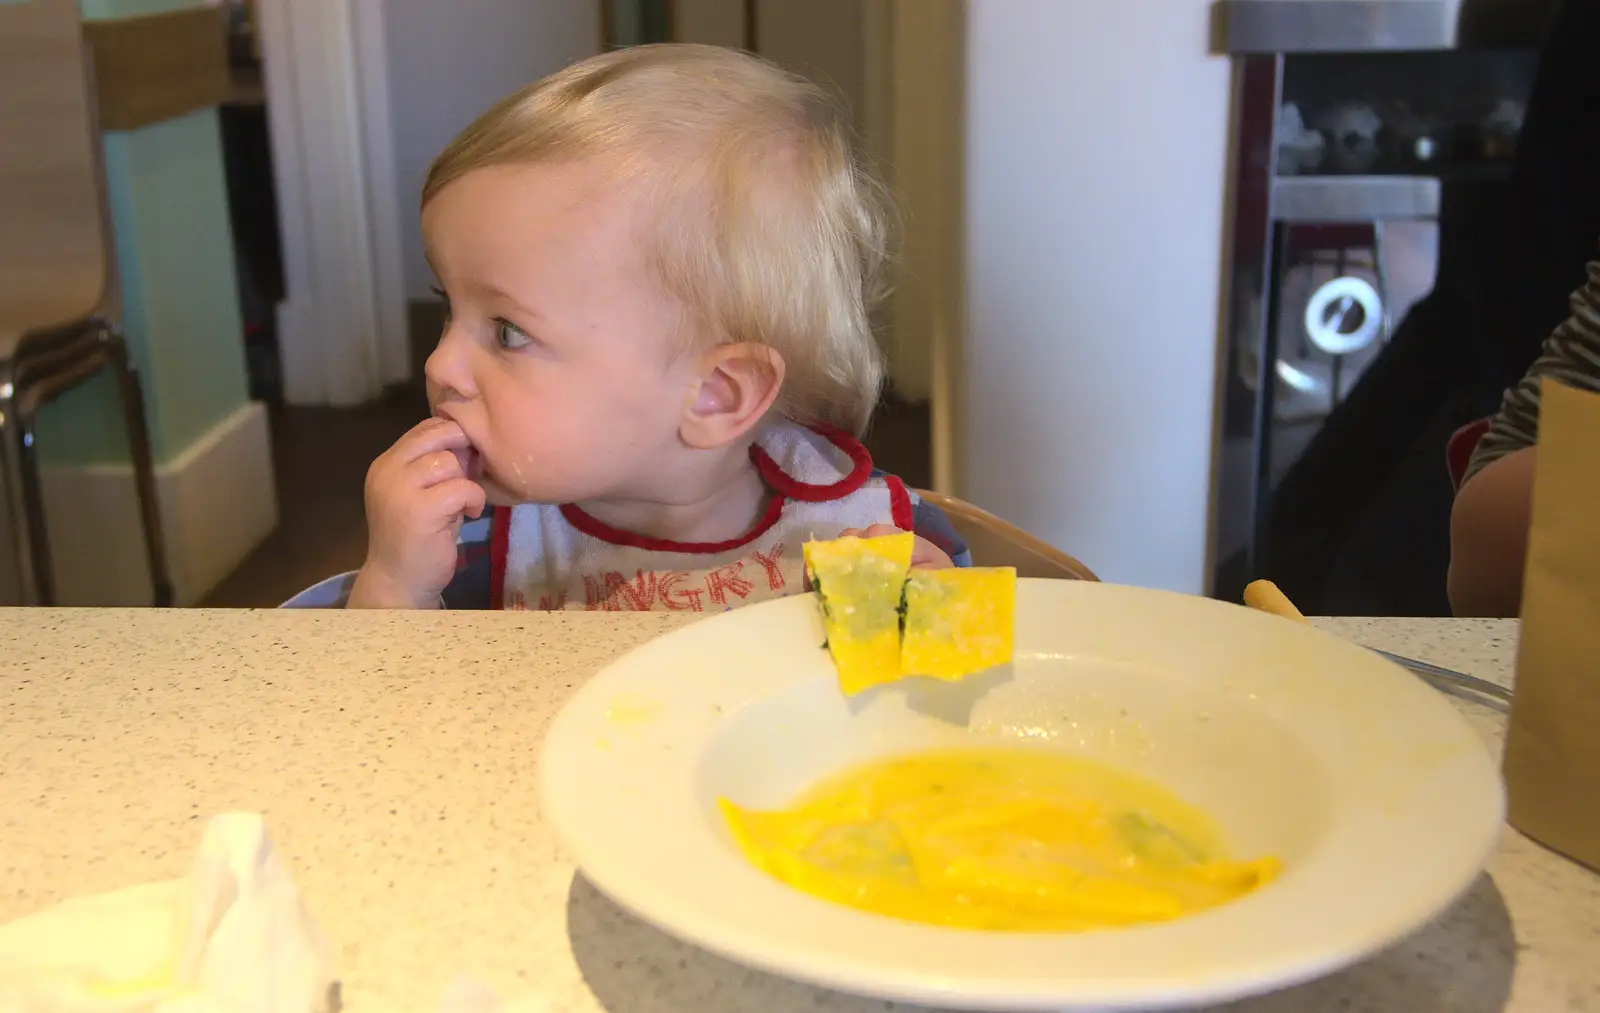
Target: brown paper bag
pixel 1552 759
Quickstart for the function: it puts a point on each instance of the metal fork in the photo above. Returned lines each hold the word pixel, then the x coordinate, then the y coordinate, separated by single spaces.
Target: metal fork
pixel 1265 596
pixel 1448 676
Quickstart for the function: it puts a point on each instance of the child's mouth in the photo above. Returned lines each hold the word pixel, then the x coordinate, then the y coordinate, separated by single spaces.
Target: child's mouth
pixel 471 463
pixel 468 457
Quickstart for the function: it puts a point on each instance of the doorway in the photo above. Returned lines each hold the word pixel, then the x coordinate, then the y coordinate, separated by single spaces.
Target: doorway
pixel 252 201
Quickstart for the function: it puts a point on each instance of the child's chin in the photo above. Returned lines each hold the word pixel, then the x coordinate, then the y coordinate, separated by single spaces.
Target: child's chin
pixel 497 495
pixel 500 495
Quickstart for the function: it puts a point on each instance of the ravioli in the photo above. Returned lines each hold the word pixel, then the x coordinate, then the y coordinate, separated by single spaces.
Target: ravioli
pixel 860 582
pixel 885 620
pixel 999 839
pixel 958 621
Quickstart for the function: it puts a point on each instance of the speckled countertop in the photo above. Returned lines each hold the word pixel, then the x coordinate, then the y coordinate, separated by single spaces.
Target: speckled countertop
pixel 394 755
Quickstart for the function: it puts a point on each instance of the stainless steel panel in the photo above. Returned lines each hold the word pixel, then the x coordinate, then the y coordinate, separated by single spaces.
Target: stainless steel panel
pixel 1331 26
pixel 1334 199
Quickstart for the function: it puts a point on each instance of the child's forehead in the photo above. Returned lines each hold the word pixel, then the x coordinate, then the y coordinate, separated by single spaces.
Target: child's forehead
pixel 548 188
pixel 567 203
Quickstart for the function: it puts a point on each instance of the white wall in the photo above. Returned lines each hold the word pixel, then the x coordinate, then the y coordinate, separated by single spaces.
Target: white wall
pixel 449 61
pixel 1096 147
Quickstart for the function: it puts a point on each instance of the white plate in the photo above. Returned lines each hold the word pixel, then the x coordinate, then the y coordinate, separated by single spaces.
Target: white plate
pixel 1377 795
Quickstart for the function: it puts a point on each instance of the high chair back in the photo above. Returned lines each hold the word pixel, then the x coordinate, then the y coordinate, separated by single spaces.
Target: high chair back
pixel 54 266
pixel 994 542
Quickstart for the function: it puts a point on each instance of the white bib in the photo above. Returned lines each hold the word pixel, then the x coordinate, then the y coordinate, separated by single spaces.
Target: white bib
pixel 558 557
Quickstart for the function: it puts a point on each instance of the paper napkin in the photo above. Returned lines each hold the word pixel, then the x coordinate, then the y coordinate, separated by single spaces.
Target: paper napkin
pixel 231 937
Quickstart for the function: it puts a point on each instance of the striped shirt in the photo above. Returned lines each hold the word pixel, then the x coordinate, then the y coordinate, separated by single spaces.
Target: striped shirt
pixel 1571 355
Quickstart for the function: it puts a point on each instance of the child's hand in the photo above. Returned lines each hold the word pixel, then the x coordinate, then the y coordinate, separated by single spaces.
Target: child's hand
pixel 418 493
pixel 924 555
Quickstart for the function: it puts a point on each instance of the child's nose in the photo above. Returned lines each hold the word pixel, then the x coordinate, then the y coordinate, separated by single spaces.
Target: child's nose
pixel 447 368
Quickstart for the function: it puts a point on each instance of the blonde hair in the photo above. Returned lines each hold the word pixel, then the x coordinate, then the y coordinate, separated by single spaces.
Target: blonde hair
pixel 768 228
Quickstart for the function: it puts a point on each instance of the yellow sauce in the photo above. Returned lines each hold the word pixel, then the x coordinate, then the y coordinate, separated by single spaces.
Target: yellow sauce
pixel 1002 839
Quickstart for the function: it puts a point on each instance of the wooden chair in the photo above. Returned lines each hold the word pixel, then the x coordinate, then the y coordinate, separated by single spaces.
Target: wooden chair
pixel 995 542
pixel 58 295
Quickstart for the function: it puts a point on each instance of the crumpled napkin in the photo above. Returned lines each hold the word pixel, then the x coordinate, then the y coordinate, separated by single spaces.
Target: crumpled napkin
pixel 231 937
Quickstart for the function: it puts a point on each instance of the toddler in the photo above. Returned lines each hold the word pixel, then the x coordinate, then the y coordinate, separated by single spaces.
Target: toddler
pixel 658 265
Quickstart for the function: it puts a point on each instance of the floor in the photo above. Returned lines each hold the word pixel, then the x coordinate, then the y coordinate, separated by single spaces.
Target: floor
pixel 321 457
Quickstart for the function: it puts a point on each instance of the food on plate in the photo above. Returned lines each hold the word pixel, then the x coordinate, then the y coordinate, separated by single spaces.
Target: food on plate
pixel 1003 839
pixel 860 583
pixel 958 621
pixel 884 621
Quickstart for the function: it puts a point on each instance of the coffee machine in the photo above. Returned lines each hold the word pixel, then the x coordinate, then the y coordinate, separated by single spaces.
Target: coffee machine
pixel 1349 116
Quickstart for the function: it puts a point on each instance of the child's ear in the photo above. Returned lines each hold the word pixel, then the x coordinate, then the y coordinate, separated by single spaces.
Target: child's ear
pixel 738 384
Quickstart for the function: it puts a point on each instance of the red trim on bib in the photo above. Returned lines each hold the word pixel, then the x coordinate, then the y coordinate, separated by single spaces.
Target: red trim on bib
pixel 595 528
pixel 783 482
pixel 499 548
pixel 784 486
pixel 900 504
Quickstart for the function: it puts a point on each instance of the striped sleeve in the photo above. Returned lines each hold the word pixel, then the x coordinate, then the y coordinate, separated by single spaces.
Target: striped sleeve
pixel 1570 355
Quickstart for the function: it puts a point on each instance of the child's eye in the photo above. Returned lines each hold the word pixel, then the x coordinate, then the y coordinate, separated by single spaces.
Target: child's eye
pixel 509 336
pixel 444 299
